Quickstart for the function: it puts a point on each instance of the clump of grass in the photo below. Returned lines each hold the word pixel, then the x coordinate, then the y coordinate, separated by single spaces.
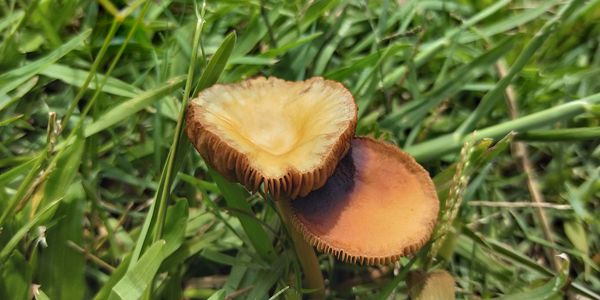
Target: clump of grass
pixel 100 196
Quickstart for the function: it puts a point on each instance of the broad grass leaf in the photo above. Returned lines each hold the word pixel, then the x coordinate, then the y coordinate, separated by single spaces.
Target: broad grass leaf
pixel 578 236
pixel 14 78
pixel 191 247
pixel 202 185
pixel 175 226
pixel 297 42
pixel 139 277
pixel 236 197
pixel 216 65
pixel 342 26
pixel 61 268
pixel 114 278
pixel 77 77
pixel 16 278
pixel 126 109
pixel 254 32
pixel 218 295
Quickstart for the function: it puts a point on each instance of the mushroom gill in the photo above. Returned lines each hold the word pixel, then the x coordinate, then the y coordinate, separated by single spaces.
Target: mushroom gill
pixel 286 135
pixel 379 205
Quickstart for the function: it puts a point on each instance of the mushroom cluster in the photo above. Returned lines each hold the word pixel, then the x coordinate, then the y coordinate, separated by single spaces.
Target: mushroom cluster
pixel 357 198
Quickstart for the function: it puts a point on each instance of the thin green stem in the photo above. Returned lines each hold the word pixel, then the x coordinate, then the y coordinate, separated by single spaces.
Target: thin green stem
pixel 109 7
pixel 163 199
pixel 304 251
pixel 565 134
pixel 167 176
pixel 125 12
pixel 445 144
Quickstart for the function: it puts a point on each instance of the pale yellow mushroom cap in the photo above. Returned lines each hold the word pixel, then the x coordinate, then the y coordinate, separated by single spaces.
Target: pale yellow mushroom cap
pixel 286 135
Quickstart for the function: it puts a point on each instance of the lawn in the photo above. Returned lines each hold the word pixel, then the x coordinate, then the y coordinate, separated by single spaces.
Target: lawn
pixel 103 196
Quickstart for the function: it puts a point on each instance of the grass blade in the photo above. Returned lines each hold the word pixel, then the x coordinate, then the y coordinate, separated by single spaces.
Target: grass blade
pixel 236 198
pixel 62 268
pixel 16 278
pixel 447 143
pixel 16 238
pixel 128 108
pixel 76 77
pixel 493 96
pixel 140 275
pixel 217 64
pixel 14 78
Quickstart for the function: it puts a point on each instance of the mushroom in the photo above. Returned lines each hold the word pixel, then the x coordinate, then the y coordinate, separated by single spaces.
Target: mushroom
pixel 286 135
pixel 360 199
pixel 379 205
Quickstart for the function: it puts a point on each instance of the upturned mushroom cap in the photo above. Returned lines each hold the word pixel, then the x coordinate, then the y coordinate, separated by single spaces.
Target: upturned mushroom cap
pixel 379 205
pixel 286 135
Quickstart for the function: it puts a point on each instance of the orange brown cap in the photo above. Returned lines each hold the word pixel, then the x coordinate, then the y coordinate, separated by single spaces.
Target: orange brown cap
pixel 379 205
pixel 286 135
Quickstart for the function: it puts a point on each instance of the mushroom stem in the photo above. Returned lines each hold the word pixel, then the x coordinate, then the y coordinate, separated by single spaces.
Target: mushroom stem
pixel 306 253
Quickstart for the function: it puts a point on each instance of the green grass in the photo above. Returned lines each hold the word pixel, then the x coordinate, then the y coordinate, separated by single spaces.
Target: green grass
pixel 101 195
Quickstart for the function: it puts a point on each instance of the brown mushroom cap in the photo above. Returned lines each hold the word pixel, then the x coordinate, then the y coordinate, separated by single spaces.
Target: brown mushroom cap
pixel 286 135
pixel 379 205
